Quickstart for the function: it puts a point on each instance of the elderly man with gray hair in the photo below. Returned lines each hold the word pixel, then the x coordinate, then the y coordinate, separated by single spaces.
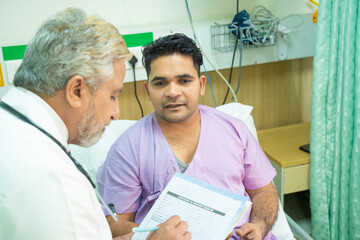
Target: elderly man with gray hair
pixel 65 92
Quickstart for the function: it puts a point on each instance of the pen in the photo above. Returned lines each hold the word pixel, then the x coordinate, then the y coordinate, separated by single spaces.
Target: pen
pixel 144 229
pixel 103 203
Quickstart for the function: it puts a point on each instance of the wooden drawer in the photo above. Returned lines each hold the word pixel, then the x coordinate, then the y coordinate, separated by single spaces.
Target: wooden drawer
pixel 296 178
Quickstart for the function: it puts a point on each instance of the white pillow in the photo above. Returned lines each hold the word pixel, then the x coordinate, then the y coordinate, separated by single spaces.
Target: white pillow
pixel 242 112
pixel 91 158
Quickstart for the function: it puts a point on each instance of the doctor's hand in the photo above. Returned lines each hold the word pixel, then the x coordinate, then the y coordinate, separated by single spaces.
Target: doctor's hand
pixel 229 236
pixel 172 229
pixel 249 231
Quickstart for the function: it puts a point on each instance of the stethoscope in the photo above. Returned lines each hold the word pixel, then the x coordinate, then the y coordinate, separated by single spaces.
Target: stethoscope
pixel 109 207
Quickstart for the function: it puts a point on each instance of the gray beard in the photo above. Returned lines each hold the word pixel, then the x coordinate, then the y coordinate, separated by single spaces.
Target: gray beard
pixel 90 130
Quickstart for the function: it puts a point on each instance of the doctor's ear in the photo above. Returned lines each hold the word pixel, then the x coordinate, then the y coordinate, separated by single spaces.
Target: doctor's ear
pixel 76 91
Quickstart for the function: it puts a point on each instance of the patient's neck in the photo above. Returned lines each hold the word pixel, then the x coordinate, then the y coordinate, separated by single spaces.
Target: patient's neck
pixel 187 127
pixel 183 137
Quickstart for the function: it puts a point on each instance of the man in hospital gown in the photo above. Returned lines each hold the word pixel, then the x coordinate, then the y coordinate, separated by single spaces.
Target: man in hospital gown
pixel 183 136
pixel 67 84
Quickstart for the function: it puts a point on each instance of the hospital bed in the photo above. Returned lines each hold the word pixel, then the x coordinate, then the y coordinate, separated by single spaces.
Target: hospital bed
pixel 91 158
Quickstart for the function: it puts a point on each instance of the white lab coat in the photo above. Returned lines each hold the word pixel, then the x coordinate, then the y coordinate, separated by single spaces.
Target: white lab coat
pixel 42 194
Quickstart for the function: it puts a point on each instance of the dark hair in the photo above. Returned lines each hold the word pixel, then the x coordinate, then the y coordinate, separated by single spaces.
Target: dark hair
pixel 177 43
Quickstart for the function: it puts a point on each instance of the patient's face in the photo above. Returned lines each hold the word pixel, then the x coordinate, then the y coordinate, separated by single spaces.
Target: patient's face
pixel 174 87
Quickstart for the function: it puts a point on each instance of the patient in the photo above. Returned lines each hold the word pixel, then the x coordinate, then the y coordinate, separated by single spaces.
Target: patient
pixel 183 136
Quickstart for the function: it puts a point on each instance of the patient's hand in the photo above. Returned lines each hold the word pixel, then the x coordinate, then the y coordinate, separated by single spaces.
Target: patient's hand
pixel 172 229
pixel 249 231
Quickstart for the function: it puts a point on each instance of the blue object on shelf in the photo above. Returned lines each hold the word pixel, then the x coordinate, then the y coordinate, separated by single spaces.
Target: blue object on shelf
pixel 241 19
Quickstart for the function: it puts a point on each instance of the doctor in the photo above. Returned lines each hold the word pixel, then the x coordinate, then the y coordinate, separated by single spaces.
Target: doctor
pixel 66 92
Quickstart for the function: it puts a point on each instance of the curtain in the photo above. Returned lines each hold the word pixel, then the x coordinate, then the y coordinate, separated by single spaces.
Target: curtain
pixel 335 122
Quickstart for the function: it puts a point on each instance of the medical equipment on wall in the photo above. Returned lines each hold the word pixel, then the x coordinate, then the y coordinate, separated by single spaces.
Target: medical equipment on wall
pixel 258 29
pixel 255 30
pixel 11 110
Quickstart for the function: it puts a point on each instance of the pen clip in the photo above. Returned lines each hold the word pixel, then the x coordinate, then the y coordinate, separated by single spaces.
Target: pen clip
pixel 111 209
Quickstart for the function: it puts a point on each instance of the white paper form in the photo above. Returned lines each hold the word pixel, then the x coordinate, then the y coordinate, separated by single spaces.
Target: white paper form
pixel 210 212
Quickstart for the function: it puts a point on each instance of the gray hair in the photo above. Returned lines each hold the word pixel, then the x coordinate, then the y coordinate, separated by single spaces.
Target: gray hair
pixel 67 45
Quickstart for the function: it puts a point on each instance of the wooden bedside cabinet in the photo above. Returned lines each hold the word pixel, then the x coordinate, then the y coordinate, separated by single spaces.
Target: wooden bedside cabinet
pixel 281 145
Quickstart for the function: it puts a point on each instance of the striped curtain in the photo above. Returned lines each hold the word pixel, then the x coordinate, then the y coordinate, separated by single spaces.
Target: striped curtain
pixel 335 123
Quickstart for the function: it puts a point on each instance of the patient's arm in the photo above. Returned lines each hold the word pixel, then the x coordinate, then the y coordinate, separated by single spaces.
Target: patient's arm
pixel 123 226
pixel 263 214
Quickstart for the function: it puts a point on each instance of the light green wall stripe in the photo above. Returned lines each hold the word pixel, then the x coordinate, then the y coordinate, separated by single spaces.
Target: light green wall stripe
pixel 138 39
pixel 132 40
pixel 13 52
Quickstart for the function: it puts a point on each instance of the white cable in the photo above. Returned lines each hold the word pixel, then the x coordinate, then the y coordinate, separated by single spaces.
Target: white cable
pixel 223 78
pixel 292 15
pixel 261 23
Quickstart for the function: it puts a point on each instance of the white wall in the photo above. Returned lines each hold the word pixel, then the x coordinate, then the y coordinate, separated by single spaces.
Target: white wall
pixel 19 20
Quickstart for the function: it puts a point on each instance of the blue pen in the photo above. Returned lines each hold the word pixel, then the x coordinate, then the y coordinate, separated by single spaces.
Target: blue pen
pixel 144 229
